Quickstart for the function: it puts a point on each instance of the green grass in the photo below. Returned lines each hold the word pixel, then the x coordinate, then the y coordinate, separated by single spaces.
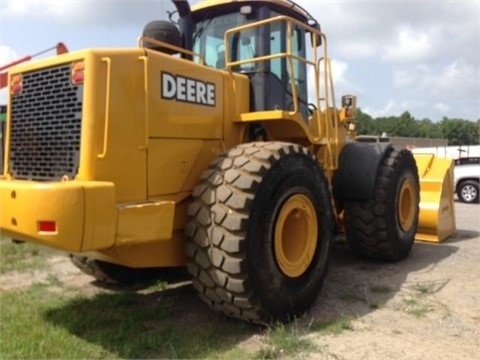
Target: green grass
pixel 335 326
pixel 284 341
pixel 37 325
pixel 416 308
pixel 22 257
pixel 424 289
pixel 419 304
pixel 56 320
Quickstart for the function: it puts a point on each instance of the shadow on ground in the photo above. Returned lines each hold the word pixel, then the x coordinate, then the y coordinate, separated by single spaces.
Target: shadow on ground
pixel 174 323
pixel 355 287
pixel 171 323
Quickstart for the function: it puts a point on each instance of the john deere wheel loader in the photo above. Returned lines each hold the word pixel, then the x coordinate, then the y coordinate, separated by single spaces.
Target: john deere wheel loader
pixel 215 144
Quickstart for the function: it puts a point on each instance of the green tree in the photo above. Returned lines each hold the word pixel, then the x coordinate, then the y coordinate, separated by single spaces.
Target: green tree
pixel 460 131
pixel 365 123
pixel 456 131
pixel 406 126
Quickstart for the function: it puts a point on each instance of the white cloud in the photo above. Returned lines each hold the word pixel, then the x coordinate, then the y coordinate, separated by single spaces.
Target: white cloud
pixel 7 55
pixel 360 49
pixel 94 13
pixel 455 80
pixel 410 55
pixel 340 77
pixel 396 55
pixel 393 107
pixel 442 108
pixel 410 46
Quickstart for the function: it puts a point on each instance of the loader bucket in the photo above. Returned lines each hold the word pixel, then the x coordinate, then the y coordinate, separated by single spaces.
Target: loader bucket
pixel 437 213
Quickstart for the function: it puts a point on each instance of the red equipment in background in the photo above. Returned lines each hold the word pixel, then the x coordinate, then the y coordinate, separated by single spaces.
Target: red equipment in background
pixel 60 47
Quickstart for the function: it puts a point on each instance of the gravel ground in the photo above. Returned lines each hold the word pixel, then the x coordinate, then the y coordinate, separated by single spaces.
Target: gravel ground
pixel 426 307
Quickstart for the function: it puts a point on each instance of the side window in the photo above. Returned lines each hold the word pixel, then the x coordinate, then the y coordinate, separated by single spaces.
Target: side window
pixel 298 49
pixel 208 40
pixel 213 51
pixel 276 48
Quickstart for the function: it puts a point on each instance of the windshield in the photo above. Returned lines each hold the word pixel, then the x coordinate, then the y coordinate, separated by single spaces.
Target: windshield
pixel 208 39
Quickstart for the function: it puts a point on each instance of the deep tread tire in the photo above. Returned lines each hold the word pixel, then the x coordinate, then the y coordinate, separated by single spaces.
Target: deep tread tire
pixel 374 227
pixel 231 247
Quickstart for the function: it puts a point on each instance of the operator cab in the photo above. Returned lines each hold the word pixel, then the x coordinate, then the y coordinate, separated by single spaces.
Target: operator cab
pixel 272 79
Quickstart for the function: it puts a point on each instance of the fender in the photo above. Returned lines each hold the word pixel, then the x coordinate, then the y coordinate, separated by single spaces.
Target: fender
pixel 358 166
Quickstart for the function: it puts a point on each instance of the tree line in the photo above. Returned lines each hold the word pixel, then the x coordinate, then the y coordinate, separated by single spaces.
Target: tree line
pixel 456 131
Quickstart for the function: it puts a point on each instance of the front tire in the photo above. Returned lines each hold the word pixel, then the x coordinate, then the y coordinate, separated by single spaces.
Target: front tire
pixel 468 192
pixel 260 232
pixel 384 227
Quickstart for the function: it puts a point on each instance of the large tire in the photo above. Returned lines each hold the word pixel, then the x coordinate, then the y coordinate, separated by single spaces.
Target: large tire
pixel 260 232
pixel 384 227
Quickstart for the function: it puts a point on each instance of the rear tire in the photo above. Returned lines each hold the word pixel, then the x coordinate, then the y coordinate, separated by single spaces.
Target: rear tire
pixel 260 232
pixel 384 227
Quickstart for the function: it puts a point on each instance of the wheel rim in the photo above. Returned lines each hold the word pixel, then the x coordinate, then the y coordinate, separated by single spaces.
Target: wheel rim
pixel 406 205
pixel 296 232
pixel 469 193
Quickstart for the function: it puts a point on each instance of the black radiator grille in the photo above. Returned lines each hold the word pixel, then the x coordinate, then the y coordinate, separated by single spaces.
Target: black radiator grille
pixel 45 126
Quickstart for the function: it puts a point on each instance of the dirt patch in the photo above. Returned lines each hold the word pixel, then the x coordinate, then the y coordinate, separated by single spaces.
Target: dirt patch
pixel 59 270
pixel 426 307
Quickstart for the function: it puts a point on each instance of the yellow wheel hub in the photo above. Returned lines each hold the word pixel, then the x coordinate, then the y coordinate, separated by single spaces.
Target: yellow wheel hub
pixel 296 233
pixel 406 205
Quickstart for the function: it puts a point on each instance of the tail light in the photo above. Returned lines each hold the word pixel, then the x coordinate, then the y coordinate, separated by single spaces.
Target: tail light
pixel 16 84
pixel 78 73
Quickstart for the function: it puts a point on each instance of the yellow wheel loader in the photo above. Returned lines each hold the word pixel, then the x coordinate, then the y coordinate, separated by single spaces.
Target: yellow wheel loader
pixel 215 144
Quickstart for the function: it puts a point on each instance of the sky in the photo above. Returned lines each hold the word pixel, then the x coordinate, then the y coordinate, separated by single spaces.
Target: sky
pixel 419 56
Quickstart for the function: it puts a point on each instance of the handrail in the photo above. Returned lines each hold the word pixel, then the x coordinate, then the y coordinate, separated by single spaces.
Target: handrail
pixel 288 55
pixel 323 124
pixel 142 39
pixel 103 154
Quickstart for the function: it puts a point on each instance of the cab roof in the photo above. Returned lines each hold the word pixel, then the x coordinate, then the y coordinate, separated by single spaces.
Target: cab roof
pixel 288 5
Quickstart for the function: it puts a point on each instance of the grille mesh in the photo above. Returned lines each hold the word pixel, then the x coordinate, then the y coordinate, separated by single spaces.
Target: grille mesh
pixel 45 126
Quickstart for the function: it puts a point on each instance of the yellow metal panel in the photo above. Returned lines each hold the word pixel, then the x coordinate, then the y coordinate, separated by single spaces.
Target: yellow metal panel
pixel 84 213
pixel 280 124
pixel 205 4
pixel 146 222
pixel 24 204
pixel 114 130
pixel 114 127
pixel 188 113
pixel 100 215
pixel 437 212
pixel 237 101
pixel 176 165
pixel 152 254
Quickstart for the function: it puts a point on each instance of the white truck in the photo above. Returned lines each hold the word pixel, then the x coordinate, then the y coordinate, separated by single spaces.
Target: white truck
pixel 467 179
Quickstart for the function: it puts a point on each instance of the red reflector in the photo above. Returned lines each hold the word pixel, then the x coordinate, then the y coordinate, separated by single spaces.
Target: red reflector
pixel 78 73
pixel 16 84
pixel 47 226
pixel 78 77
pixel 16 89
